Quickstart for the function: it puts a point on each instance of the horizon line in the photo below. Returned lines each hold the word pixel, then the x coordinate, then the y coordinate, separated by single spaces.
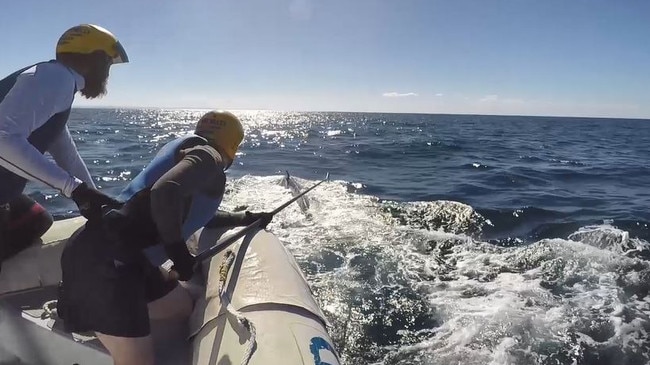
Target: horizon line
pixel 362 112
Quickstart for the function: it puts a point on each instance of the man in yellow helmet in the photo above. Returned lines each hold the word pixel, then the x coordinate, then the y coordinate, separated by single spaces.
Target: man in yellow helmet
pixel 35 103
pixel 122 288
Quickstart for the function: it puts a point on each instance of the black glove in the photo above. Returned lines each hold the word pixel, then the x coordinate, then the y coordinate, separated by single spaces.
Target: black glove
pixel 252 217
pixel 183 260
pixel 90 201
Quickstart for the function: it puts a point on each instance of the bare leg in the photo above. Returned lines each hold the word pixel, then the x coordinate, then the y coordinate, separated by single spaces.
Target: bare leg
pixel 128 350
pixel 176 304
pixel 140 350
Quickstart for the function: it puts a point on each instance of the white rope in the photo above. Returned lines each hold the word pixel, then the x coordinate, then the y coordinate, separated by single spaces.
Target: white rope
pixel 225 300
pixel 49 310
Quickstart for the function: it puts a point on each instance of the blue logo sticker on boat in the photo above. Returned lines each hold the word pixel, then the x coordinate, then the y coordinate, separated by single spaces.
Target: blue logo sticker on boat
pixel 316 345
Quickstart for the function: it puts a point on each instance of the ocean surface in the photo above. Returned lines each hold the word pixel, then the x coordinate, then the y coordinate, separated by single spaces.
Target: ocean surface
pixel 440 239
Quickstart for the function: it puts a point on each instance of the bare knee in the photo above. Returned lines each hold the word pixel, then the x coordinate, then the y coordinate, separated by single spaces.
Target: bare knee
pixel 129 350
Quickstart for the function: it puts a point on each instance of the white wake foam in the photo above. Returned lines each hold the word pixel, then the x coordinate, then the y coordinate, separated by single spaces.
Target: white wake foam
pixel 399 293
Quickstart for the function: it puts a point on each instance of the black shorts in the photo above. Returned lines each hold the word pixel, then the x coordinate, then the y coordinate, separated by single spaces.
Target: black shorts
pixel 106 287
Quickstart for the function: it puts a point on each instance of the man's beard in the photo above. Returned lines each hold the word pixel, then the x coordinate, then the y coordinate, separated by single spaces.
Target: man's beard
pixel 94 88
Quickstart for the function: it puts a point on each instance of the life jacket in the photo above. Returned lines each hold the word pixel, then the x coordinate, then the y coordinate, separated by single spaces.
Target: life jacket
pixel 12 185
pixel 202 207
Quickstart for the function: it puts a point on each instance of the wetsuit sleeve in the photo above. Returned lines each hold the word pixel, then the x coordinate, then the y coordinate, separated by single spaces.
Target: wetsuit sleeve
pixel 64 151
pixel 226 219
pixel 34 98
pixel 200 169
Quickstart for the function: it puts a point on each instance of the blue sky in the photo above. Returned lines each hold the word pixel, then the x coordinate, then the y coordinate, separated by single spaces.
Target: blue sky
pixel 535 57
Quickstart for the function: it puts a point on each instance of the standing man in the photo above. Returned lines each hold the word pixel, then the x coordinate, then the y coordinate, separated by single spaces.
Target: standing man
pixel 35 103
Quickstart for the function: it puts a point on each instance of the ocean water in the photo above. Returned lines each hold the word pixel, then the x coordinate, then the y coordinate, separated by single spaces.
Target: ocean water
pixel 440 239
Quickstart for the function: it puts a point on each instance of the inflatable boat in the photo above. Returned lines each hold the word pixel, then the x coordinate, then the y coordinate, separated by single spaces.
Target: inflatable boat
pixel 253 306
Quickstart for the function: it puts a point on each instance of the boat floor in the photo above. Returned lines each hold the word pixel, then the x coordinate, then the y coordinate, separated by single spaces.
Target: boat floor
pixel 26 337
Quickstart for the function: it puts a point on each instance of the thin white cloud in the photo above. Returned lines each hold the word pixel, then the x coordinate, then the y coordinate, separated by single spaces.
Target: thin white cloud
pixel 398 95
pixel 440 94
pixel 489 98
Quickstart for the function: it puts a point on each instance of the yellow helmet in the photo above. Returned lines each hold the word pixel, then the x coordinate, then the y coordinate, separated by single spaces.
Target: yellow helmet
pixel 222 129
pixel 88 38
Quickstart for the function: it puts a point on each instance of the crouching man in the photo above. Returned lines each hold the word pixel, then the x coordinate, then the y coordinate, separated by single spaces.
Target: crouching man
pixel 109 284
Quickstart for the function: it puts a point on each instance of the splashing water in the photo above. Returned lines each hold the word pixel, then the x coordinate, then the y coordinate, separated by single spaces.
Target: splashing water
pixel 411 283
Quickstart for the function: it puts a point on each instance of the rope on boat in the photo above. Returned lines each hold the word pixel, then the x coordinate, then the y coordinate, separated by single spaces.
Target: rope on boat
pixel 49 309
pixel 225 300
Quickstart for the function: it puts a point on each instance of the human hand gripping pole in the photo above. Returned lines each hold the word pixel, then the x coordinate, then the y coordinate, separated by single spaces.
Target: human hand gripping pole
pixel 184 262
pixel 263 217
pixel 224 242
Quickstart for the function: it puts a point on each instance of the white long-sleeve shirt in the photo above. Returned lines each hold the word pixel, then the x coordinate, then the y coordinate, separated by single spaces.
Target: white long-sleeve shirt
pixel 38 94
